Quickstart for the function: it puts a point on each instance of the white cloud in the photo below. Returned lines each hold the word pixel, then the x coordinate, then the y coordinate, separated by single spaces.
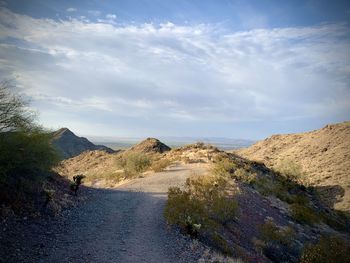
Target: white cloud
pixel 111 16
pixel 71 9
pixel 180 73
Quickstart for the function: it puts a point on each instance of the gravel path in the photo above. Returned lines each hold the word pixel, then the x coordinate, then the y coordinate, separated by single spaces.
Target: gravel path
pixel 121 225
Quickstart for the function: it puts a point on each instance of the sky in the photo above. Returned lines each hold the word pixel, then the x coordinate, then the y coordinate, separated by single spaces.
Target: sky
pixel 235 69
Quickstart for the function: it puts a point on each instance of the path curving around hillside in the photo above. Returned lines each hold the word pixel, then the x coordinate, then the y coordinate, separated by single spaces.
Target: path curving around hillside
pixel 125 224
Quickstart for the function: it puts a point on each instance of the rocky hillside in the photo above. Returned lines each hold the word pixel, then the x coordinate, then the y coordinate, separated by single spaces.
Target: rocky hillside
pixel 71 145
pixel 323 154
pixel 150 145
pixel 99 166
pixel 254 214
pixel 92 164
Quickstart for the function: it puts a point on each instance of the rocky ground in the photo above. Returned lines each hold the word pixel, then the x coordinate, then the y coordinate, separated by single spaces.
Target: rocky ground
pixel 126 223
pixel 120 225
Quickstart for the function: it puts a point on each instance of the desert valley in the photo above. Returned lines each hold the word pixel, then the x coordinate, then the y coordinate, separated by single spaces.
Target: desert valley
pixel 187 131
pixel 151 203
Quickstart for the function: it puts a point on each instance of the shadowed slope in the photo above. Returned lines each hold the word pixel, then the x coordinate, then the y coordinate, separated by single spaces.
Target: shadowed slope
pixel 70 145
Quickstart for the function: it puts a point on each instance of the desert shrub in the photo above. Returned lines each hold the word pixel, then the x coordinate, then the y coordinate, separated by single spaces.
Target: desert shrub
pixel 244 176
pixel 267 186
pixel 282 190
pixel 224 167
pixel 204 202
pixel 280 187
pixel 183 211
pixel 300 199
pixel 278 190
pixel 276 241
pixel 26 153
pixel 77 180
pixel 270 232
pixel 335 220
pixel 110 177
pixel 113 177
pixel 49 193
pixel 25 162
pixel 202 207
pixel 304 214
pixel 221 243
pixel 160 165
pixel 291 171
pixel 263 186
pixel 134 163
pixel 329 249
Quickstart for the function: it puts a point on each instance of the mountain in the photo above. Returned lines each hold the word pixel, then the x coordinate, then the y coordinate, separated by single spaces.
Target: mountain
pixel 71 145
pixel 150 145
pixel 174 141
pixel 323 154
pixel 220 142
pixel 104 165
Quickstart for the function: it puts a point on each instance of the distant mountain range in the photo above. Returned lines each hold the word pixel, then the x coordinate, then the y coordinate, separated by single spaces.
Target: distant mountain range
pixel 70 145
pixel 174 141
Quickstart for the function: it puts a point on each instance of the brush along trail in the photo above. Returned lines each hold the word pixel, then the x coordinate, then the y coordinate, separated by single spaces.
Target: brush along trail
pixel 123 224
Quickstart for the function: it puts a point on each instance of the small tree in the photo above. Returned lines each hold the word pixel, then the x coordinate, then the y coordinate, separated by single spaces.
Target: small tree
pixel 14 114
pixel 26 153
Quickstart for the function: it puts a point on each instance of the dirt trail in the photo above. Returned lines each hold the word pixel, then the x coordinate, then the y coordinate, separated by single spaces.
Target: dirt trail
pixel 119 225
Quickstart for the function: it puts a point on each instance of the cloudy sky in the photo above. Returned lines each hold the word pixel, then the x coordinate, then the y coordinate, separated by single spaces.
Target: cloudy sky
pixel 238 69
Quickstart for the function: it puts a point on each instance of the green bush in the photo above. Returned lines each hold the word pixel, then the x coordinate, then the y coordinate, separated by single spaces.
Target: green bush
pixel 160 165
pixel 222 244
pixel 244 176
pixel 224 167
pixel 26 158
pixel 291 171
pixel 281 187
pixel 335 220
pixel 270 232
pixel 134 163
pixel 304 214
pixel 204 202
pixel 263 186
pixel 276 242
pixel 25 153
pixel 329 249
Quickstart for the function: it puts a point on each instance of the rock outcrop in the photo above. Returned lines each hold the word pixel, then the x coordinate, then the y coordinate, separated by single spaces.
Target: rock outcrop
pixel 150 145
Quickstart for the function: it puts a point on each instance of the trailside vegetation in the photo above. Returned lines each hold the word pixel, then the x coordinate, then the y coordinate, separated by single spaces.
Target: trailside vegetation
pixel 26 154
